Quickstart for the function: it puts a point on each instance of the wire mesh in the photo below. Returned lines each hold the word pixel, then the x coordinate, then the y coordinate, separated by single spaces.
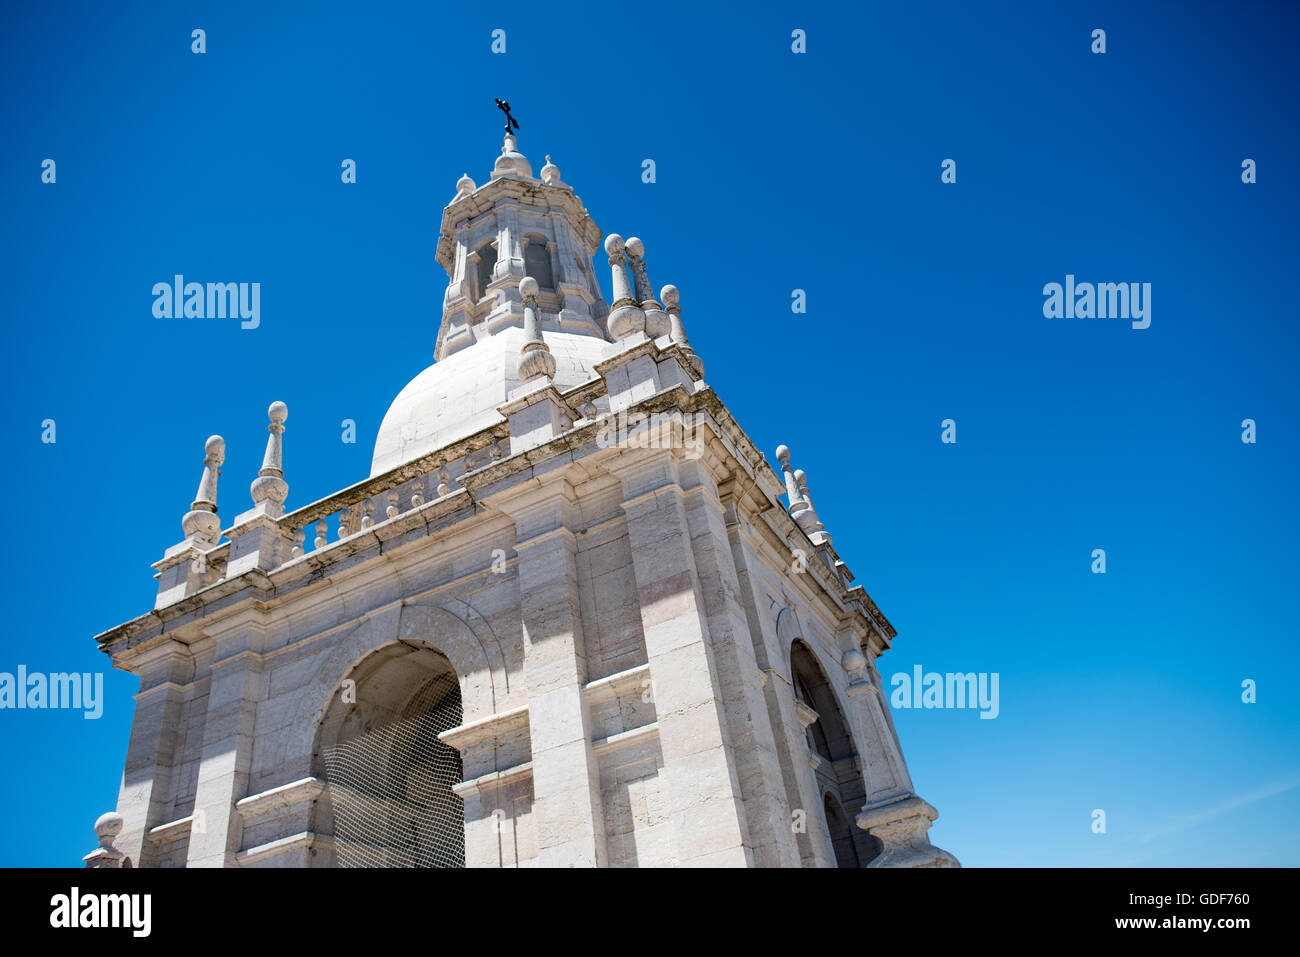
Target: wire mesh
pixel 390 787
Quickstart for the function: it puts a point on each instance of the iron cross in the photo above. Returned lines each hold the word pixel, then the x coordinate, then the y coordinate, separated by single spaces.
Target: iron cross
pixel 510 120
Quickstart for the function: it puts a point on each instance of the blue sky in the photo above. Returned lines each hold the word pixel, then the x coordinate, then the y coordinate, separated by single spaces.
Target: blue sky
pixel 775 171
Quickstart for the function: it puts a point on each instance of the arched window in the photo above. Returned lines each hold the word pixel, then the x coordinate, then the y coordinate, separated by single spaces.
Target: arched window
pixel 537 262
pixel 835 767
pixel 487 260
pixel 828 735
pixel 817 731
pixel 388 800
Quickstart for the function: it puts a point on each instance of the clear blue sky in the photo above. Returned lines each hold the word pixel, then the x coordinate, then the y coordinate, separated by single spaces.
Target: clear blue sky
pixel 775 171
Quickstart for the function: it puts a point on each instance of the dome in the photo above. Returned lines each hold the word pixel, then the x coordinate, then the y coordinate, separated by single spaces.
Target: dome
pixel 459 396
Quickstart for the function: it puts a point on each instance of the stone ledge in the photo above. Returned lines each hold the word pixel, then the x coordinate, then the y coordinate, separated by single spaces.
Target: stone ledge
pixel 505 723
pixel 631 681
pixel 303 839
pixel 172 830
pixel 623 739
pixel 302 791
pixel 493 780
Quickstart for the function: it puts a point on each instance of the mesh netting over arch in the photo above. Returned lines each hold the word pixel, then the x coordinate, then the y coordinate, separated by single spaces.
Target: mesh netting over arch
pixel 390 786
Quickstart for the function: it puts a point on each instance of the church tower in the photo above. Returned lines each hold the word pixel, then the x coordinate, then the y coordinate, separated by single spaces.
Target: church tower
pixel 566 621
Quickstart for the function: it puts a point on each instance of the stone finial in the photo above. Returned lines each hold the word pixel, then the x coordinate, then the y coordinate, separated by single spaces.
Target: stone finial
pixel 801 507
pixel 626 318
pixel 107 827
pixel 201 524
pixel 270 489
pixel 464 186
pixel 656 320
pixel 551 173
pixel 807 517
pixel 676 331
pixel 535 359
pixel 854 663
pixel 511 162
pixel 791 486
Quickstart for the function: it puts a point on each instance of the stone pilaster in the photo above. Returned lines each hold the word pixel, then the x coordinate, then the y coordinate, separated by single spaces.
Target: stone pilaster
pixel 145 797
pixel 566 776
pixel 780 702
pixel 705 802
pixel 228 731
pixel 767 809
pixel 893 813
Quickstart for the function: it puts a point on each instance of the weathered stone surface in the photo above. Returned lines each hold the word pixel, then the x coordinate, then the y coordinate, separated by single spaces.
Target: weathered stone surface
pixel 654 661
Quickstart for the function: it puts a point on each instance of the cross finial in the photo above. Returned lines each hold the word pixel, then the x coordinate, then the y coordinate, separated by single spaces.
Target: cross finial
pixel 511 123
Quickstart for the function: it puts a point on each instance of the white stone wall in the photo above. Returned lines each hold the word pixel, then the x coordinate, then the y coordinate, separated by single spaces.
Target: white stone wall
pixel 625 678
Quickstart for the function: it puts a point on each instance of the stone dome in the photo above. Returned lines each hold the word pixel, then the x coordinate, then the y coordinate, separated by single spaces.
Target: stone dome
pixel 459 396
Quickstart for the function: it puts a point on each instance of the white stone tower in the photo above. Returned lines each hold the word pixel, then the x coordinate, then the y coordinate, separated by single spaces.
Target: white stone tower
pixel 566 621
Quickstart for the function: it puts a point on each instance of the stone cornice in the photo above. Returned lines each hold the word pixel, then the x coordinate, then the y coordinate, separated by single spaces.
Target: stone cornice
pixel 753 480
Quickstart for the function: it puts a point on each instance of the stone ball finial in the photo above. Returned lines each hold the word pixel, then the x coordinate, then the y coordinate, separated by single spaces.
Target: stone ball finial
pixel 853 660
pixel 669 296
pixel 215 449
pixel 635 247
pixel 783 454
pixel 465 184
pixel 614 244
pixel 550 172
pixel 801 478
pixel 528 287
pixel 278 413
pixel 108 826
